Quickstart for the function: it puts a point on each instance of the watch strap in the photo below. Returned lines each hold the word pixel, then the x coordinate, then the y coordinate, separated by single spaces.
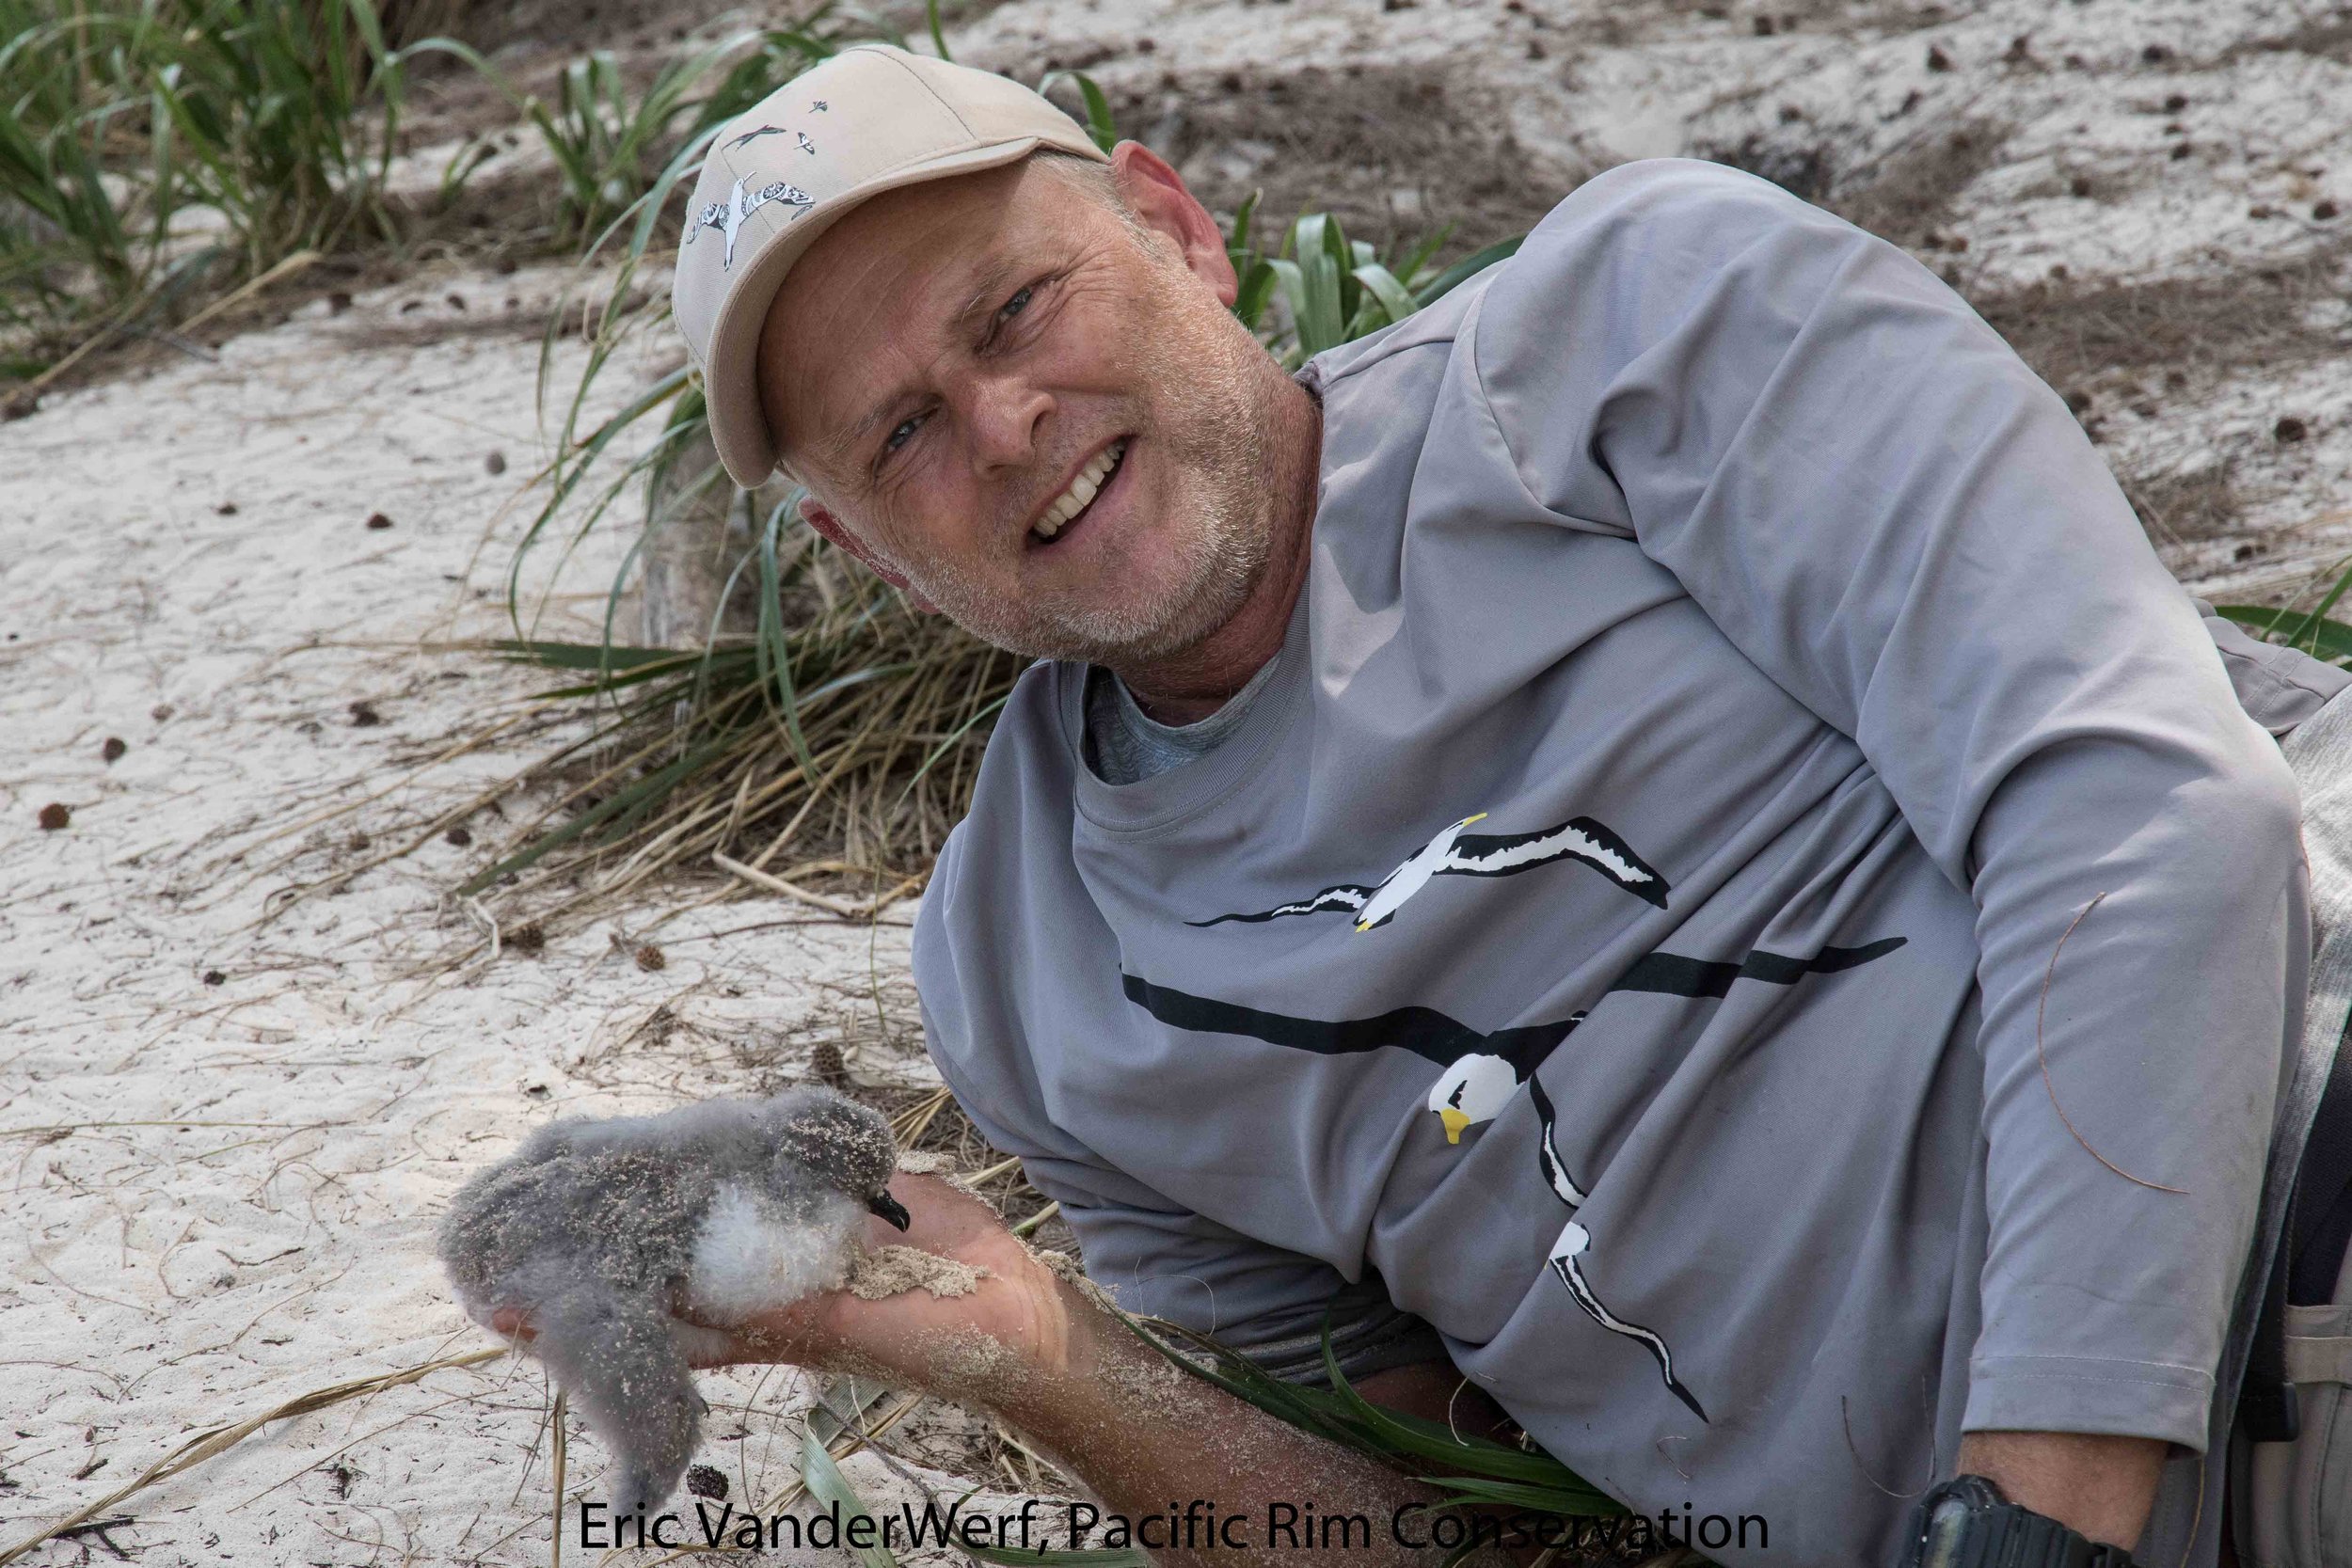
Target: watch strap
pixel 1966 1522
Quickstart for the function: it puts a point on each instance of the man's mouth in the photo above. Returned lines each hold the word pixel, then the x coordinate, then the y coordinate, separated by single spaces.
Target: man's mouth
pixel 1072 503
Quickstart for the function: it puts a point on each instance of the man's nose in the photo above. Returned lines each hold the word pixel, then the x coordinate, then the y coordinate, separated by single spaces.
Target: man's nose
pixel 1008 422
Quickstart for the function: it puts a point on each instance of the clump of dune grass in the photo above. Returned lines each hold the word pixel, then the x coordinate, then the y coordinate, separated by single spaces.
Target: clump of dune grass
pixel 274 121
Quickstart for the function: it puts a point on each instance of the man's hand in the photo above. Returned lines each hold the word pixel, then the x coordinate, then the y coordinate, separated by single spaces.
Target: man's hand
pixel 1033 1350
pixel 1016 1322
pixel 2099 1487
pixel 1014 1325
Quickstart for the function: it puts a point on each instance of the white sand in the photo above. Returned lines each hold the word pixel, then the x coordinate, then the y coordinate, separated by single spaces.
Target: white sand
pixel 236 1201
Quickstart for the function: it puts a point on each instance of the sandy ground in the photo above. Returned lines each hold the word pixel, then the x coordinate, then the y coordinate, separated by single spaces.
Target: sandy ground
pixel 226 1137
pixel 227 1121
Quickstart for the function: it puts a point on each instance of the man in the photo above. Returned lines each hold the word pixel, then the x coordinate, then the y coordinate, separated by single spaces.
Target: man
pixel 1653 837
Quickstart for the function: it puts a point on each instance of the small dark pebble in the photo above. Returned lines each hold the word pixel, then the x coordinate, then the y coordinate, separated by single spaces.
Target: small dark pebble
pixel 503 267
pixel 527 938
pixel 159 712
pixel 649 958
pixel 54 816
pixel 495 463
pixel 226 509
pixel 2057 270
pixel 114 748
pixel 456 301
pixel 2325 209
pixel 409 305
pixel 2180 151
pixel 1937 59
pixel 2290 430
pixel 338 302
pixel 536 1092
pixel 1147 46
pixel 1534 49
pixel 459 835
pixel 2076 399
pixel 2156 53
pixel 215 977
pixel 2259 210
pixel 707 1480
pixel 2244 552
pixel 377 520
pixel 2075 62
pixel 2175 103
pixel 363 715
pixel 1764 27
pixel 2079 185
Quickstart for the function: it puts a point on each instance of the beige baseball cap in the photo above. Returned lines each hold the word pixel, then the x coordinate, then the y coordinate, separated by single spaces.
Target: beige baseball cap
pixel 870 119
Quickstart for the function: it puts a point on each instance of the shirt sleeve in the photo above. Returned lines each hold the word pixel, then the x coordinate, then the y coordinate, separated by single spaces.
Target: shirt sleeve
pixel 1896 521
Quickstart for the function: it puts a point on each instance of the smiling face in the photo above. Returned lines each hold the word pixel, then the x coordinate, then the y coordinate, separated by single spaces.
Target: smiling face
pixel 1034 409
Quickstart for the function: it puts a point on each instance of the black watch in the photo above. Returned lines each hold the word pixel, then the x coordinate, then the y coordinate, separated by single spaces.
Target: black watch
pixel 1966 1522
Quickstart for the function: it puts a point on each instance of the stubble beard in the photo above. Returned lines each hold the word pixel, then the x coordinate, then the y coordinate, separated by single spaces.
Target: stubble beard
pixel 1211 417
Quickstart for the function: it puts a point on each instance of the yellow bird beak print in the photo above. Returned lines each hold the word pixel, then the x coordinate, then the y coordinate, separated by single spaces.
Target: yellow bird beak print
pixel 1455 1119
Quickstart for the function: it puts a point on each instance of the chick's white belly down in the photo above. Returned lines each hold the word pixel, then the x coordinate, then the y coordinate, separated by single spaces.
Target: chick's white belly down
pixel 751 1257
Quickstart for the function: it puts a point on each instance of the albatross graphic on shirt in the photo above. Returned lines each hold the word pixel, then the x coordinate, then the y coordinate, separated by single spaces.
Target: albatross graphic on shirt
pixel 1483 1072
pixel 1455 852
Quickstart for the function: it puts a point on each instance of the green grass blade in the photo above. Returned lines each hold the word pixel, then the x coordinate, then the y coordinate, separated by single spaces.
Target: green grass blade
pixel 1466 268
pixel 1382 285
pixel 827 1485
pixel 2325 638
pixel 1101 127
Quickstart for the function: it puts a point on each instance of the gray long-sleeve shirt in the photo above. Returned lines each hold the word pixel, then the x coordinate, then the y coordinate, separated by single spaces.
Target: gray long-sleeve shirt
pixel 1629 920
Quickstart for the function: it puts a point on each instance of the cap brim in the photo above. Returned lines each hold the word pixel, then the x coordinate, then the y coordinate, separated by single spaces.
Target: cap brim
pixel 739 428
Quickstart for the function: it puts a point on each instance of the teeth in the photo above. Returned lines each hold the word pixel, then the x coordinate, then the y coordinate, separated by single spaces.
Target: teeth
pixel 1080 493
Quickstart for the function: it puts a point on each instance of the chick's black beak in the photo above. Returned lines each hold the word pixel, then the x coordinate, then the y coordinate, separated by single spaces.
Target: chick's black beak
pixel 890 1208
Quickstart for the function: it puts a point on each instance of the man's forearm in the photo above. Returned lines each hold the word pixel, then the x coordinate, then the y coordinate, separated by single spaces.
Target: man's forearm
pixel 1141 1435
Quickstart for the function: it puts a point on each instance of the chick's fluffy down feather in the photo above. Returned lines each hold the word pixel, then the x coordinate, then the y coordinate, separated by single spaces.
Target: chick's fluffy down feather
pixel 601 1232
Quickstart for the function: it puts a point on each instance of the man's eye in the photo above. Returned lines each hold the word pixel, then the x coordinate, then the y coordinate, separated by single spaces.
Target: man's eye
pixel 1013 307
pixel 903 434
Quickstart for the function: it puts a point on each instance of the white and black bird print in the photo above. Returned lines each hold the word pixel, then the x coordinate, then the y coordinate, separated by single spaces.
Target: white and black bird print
pixel 728 216
pixel 1458 852
pixel 753 135
pixel 1565 1258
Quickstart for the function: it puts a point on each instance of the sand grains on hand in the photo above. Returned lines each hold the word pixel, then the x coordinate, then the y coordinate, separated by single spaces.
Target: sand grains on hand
pixel 881 1272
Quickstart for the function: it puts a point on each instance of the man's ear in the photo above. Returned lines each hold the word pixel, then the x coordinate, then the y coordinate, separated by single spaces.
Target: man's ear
pixel 813 513
pixel 1157 194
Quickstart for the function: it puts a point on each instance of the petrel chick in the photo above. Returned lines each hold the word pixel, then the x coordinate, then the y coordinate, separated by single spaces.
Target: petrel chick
pixel 601 1231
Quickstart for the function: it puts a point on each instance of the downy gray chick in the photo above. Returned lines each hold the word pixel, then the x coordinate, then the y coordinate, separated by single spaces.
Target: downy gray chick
pixel 601 1229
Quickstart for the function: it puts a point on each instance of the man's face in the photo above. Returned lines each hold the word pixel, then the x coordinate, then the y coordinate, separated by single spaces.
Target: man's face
pixel 1044 419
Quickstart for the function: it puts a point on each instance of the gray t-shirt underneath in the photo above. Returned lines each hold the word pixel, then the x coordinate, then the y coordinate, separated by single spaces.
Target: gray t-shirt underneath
pixel 1126 745
pixel 1743 850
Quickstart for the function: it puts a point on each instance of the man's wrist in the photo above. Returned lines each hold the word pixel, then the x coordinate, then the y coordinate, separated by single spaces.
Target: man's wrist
pixel 2103 1486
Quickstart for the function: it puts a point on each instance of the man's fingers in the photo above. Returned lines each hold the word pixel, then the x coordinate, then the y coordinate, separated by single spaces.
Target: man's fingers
pixel 513 1321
